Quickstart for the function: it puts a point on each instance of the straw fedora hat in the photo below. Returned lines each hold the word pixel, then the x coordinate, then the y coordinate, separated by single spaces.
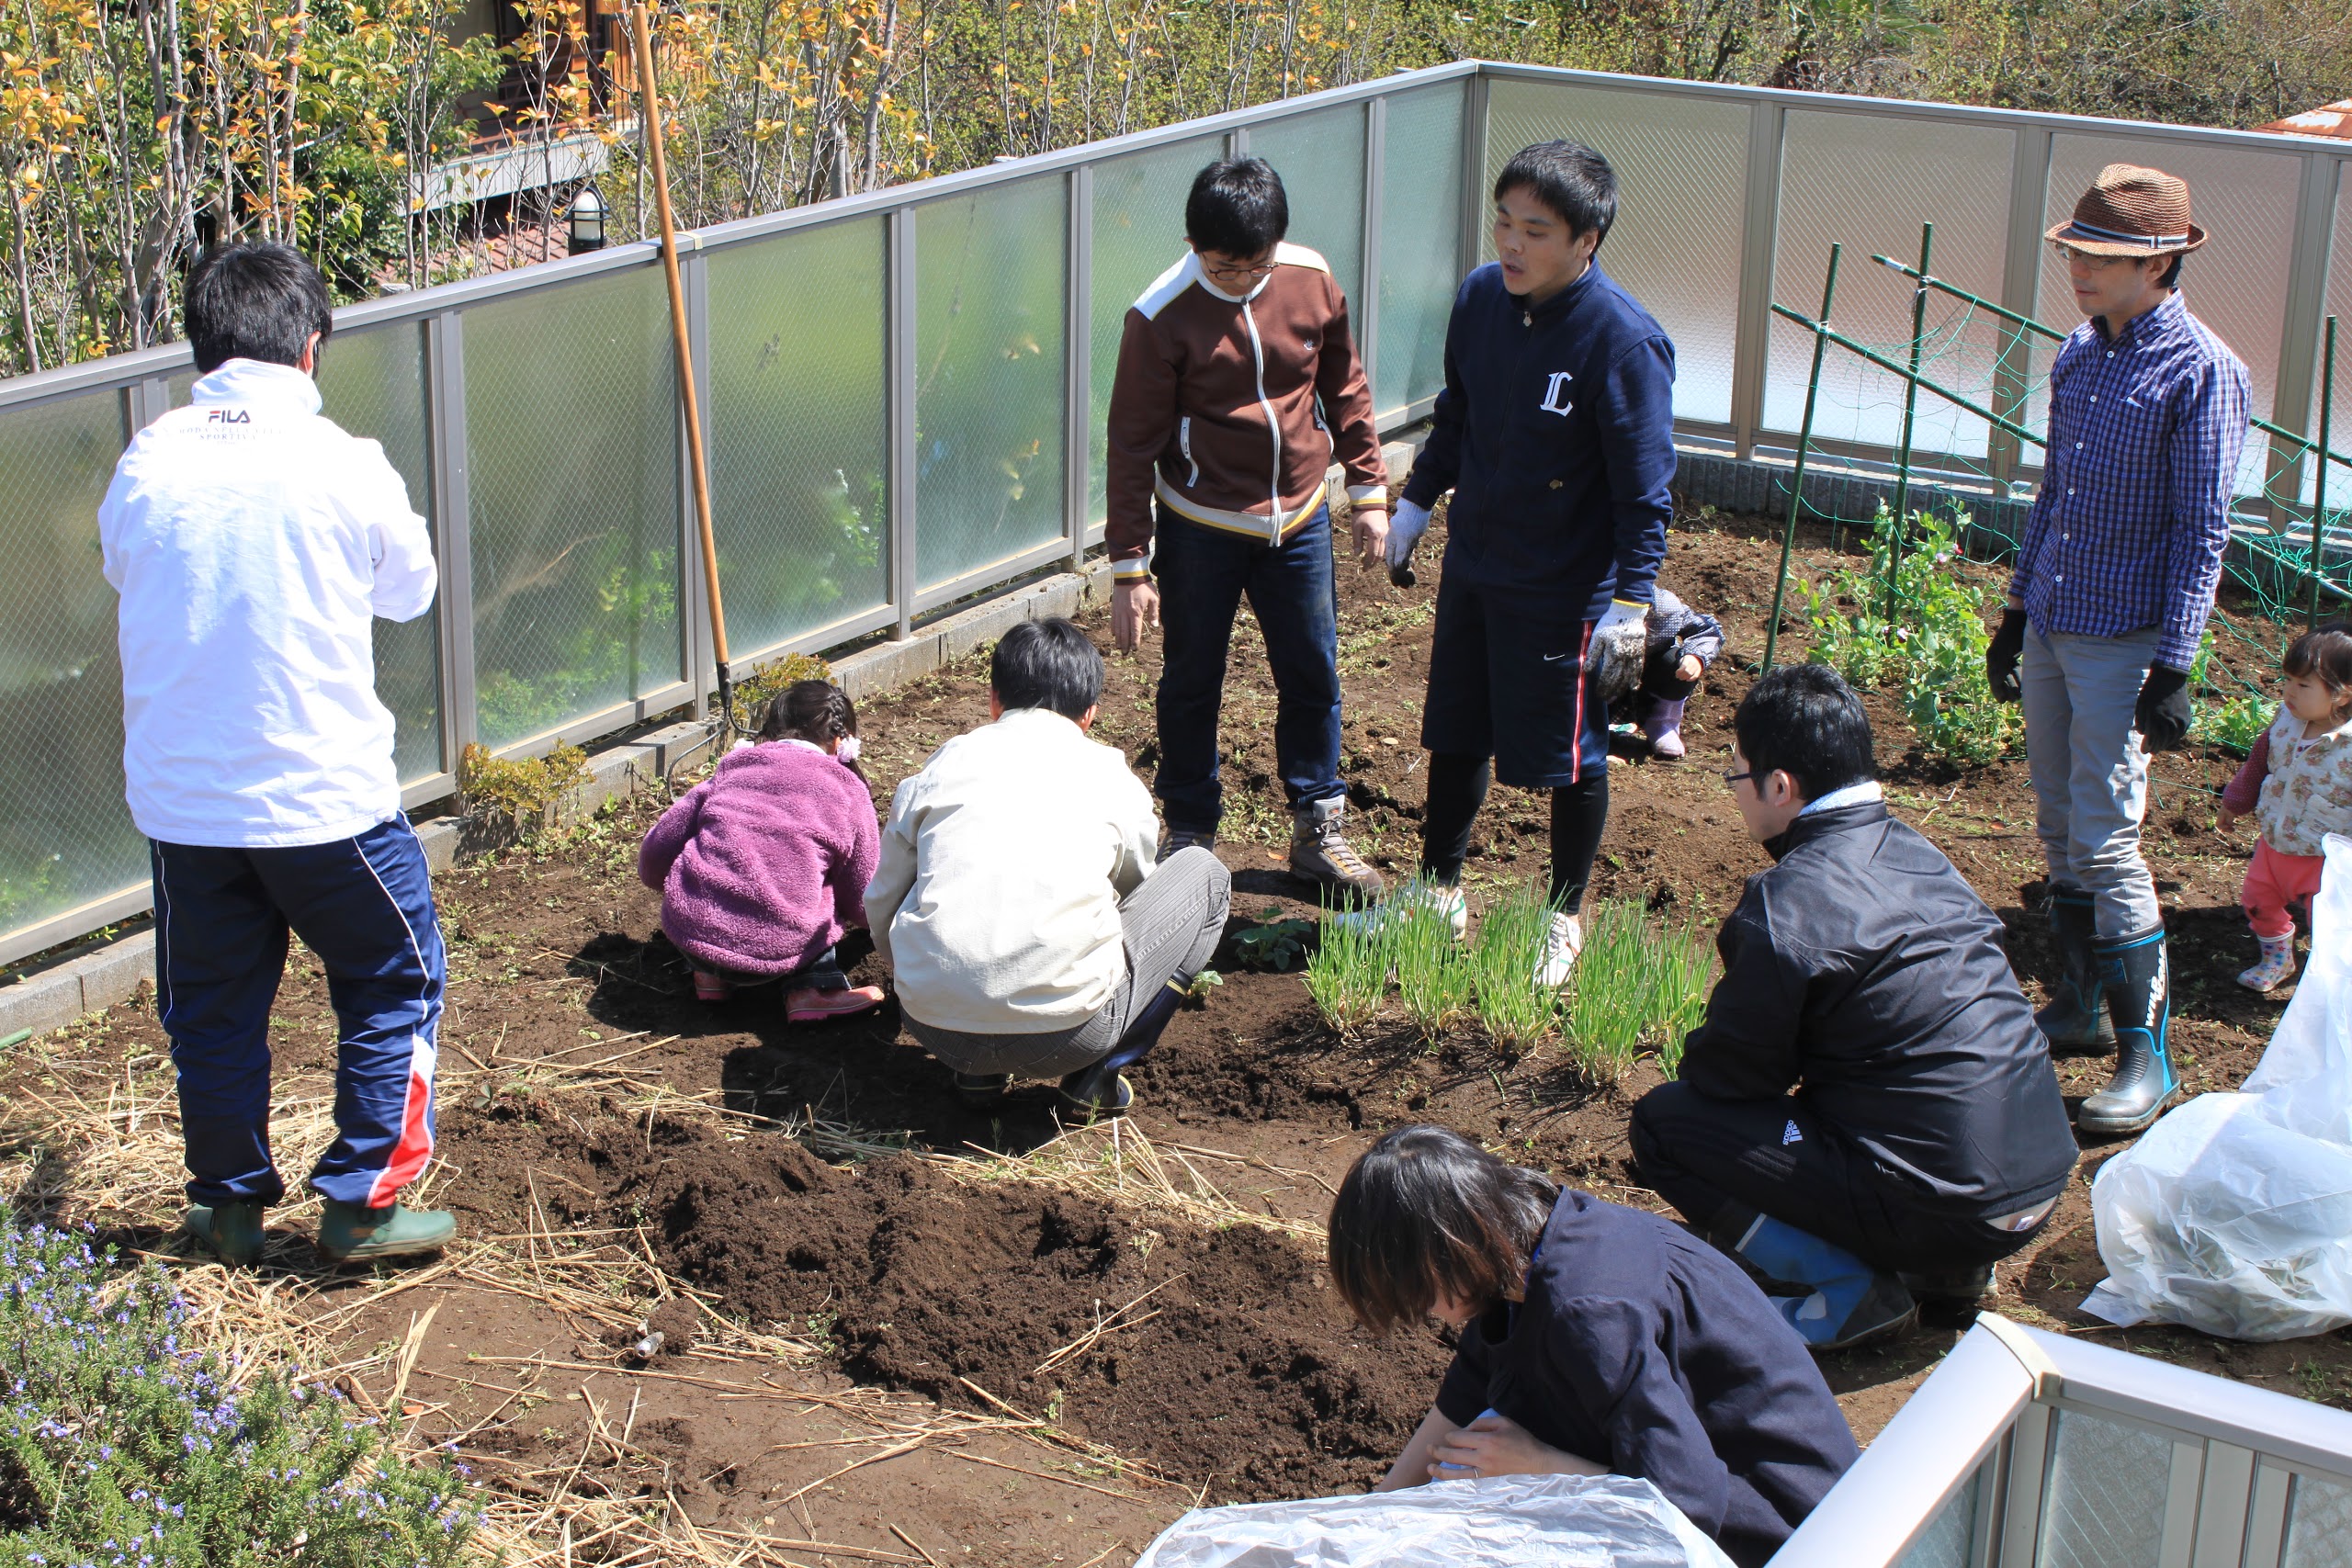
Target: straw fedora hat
pixel 2131 211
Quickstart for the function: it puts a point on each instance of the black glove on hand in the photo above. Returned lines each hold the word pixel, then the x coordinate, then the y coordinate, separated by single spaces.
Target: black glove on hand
pixel 2001 658
pixel 2163 712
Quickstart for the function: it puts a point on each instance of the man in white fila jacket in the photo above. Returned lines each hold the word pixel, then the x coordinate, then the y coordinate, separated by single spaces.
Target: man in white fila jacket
pixel 253 542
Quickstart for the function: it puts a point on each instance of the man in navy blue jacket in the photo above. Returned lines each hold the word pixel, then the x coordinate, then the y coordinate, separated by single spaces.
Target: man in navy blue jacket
pixel 1555 433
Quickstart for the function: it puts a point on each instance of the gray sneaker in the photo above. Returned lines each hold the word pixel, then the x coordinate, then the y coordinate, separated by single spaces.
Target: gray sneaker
pixel 1319 853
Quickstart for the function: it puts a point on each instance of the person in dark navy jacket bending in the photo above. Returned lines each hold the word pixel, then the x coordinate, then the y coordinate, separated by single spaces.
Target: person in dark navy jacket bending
pixel 1555 434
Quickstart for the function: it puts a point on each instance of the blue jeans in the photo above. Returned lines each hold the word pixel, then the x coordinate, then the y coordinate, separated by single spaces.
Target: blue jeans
pixel 1203 574
pixel 364 905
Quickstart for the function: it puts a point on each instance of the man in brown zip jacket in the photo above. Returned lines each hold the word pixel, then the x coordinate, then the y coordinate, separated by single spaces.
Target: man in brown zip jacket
pixel 1237 387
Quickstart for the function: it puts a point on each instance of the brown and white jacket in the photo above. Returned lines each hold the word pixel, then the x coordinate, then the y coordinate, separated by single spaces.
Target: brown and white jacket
pixel 1220 407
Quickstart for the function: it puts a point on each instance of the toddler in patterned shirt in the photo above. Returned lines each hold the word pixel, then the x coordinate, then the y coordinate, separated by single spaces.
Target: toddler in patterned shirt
pixel 2297 783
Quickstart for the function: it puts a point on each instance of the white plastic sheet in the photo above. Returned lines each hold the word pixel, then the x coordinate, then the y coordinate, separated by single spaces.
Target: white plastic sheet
pixel 2232 1214
pixel 1505 1521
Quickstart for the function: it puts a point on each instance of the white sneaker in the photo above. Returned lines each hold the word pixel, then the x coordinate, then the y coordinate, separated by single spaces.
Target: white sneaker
pixel 1561 946
pixel 1414 898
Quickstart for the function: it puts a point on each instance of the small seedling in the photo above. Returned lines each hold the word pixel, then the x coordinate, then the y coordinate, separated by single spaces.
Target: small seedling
pixel 1636 987
pixel 1202 983
pixel 1274 944
pixel 1347 972
pixel 1514 1006
pixel 1432 972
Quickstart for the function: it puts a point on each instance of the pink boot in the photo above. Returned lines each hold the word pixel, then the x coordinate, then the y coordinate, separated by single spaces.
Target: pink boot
pixel 813 1006
pixel 1662 722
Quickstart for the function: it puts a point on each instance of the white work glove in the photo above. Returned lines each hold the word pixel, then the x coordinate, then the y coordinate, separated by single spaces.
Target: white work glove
pixel 1620 643
pixel 1407 523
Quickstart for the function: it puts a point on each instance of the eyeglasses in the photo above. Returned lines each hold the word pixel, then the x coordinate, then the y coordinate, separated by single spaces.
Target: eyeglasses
pixel 1730 778
pixel 1251 273
pixel 2069 255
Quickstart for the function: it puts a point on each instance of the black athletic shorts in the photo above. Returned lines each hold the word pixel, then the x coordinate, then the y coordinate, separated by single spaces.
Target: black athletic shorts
pixel 1510 682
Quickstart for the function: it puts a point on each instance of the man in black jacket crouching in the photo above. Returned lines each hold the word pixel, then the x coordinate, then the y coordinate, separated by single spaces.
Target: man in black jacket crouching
pixel 1868 1109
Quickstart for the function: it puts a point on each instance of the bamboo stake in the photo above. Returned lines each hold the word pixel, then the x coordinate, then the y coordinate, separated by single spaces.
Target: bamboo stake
pixel 1796 483
pixel 1910 415
pixel 2319 494
pixel 649 102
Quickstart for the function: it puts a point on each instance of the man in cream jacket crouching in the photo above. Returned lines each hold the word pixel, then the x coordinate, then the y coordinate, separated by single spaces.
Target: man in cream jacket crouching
pixel 1027 929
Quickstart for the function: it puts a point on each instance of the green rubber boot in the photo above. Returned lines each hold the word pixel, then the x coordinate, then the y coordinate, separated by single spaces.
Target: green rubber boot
pixel 348 1231
pixel 233 1230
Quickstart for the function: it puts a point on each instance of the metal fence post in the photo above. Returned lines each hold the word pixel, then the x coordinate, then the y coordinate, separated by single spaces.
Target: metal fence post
pixel 1365 307
pixel 1474 175
pixel 694 587
pixel 902 419
pixel 2021 291
pixel 1078 365
pixel 1760 238
pixel 2291 400
pixel 451 501
pixel 1236 142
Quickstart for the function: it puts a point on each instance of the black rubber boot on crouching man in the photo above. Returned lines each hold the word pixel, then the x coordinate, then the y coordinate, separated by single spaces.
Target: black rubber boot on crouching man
pixel 1102 1090
pixel 2138 982
pixel 2077 1017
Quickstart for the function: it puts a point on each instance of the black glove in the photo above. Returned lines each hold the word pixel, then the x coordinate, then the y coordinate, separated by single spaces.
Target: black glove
pixel 2001 658
pixel 2163 712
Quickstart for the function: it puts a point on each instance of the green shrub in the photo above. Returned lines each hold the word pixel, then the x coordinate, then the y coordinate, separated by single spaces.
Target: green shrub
pixel 1514 1007
pixel 121 1443
pixel 2224 710
pixel 525 789
pixel 1934 644
pixel 754 692
pixel 1347 974
pixel 1636 987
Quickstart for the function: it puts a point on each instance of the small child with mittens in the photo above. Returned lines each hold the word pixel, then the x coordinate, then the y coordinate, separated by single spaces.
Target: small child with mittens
pixel 1679 643
pixel 2297 783
pixel 762 866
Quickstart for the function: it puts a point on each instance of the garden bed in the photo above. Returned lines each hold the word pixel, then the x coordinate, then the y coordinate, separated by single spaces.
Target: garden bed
pixel 922 1303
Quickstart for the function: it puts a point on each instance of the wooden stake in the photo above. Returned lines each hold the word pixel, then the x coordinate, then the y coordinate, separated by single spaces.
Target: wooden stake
pixel 648 106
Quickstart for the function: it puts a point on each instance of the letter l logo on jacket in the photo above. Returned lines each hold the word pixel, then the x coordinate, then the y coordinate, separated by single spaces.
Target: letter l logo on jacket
pixel 1553 402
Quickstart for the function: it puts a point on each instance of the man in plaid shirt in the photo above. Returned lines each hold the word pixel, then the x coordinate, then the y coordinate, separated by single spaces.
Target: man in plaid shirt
pixel 2114 579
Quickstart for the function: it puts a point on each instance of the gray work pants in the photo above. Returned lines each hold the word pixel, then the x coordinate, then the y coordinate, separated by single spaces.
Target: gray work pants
pixel 2090 777
pixel 1171 925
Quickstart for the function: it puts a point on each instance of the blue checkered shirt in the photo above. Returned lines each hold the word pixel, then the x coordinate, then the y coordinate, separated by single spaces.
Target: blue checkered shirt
pixel 2146 429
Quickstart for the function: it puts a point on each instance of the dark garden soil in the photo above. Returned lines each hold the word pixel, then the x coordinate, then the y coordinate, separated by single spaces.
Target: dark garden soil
pixel 1239 1377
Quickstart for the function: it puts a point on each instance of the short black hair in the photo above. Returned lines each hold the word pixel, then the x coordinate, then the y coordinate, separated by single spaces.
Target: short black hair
pixel 1046 664
pixel 1425 1213
pixel 254 299
pixel 2171 279
pixel 1568 177
pixel 2324 654
pixel 1803 720
pixel 1238 207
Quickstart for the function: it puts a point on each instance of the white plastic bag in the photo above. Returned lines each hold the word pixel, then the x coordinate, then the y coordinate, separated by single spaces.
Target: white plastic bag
pixel 2232 1214
pixel 1505 1521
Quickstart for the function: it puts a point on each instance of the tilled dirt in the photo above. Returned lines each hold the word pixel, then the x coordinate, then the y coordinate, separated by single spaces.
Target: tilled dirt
pixel 1249 1383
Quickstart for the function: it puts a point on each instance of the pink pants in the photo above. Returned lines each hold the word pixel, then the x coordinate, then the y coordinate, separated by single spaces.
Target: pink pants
pixel 2275 883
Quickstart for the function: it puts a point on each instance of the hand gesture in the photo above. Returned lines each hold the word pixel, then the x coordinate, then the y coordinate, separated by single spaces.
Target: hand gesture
pixel 1497 1445
pixel 1370 525
pixel 1135 606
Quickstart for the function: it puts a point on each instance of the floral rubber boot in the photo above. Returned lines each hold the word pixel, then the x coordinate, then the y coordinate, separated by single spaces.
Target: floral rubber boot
pixel 2277 963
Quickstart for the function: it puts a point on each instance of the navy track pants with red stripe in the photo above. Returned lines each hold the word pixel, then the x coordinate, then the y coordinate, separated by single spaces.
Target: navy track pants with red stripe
pixel 364 905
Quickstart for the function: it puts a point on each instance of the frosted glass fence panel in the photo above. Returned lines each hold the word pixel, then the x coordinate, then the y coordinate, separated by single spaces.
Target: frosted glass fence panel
pixel 372 384
pixel 1138 234
pixel 2105 1504
pixel 1420 245
pixel 2319 1524
pixel 1682 166
pixel 2236 284
pixel 2337 303
pixel 1870 181
pixel 991 275
pixel 800 429
pixel 572 433
pixel 1320 159
pixel 1944 1542
pixel 65 835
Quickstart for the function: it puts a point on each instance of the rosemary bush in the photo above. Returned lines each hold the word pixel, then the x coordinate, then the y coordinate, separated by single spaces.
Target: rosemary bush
pixel 124 1446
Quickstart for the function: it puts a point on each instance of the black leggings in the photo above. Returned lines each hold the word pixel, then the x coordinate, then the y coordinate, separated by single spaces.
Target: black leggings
pixel 1458 787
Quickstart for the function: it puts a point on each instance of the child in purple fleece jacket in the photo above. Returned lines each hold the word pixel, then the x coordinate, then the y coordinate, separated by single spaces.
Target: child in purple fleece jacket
pixel 762 866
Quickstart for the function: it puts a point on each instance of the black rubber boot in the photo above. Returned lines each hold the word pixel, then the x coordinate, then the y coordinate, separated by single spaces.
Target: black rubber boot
pixel 2138 982
pixel 983 1092
pixel 1102 1090
pixel 2076 1018
pixel 1950 1287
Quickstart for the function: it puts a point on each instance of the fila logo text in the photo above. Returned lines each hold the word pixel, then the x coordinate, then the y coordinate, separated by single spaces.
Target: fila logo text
pixel 229 416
